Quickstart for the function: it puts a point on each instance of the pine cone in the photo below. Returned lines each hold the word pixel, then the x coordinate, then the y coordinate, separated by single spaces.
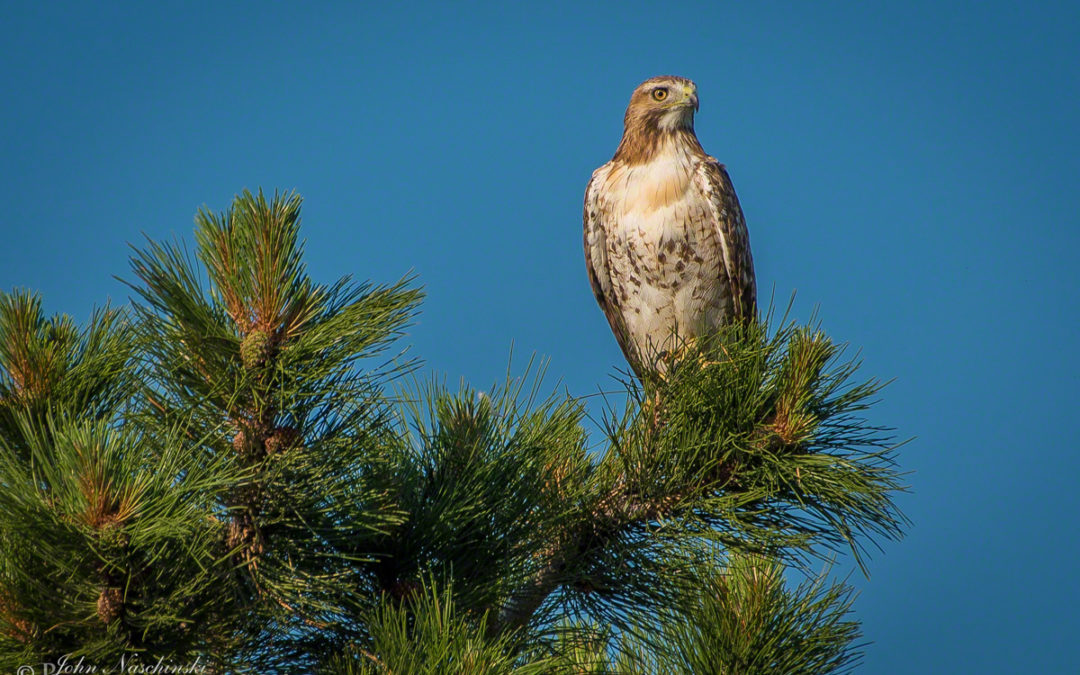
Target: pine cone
pixel 18 629
pixel 114 538
pixel 255 349
pixel 281 440
pixel 109 604
pixel 246 443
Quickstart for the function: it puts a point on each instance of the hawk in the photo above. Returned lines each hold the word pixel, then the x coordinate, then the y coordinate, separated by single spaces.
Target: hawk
pixel 666 244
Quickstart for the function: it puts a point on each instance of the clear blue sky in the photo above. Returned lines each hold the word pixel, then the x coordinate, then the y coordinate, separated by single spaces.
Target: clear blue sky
pixel 910 167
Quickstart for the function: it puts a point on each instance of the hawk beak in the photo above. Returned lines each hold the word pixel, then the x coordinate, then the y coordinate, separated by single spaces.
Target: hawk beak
pixel 690 96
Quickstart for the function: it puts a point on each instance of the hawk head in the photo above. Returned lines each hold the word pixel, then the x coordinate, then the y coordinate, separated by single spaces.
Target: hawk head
pixel 663 103
pixel 661 110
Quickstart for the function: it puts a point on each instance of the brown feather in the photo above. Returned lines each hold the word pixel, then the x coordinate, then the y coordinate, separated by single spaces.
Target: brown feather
pixel 738 266
pixel 596 264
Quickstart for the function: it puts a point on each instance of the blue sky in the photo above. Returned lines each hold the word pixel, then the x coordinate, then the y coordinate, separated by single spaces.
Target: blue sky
pixel 910 168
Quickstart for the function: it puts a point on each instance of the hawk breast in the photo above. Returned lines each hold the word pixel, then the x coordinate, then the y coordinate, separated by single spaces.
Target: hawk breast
pixel 664 258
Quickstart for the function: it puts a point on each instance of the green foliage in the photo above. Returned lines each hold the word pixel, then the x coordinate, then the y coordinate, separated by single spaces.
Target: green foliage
pixel 432 635
pixel 106 532
pixel 742 619
pixel 261 362
pixel 109 547
pixel 751 442
pixel 47 363
pixel 487 481
pixel 757 439
pixel 239 474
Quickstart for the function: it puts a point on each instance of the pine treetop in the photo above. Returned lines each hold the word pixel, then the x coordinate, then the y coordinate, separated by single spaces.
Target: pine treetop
pixel 243 468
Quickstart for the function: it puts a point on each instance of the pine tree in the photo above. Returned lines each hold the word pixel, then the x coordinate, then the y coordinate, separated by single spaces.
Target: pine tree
pixel 239 473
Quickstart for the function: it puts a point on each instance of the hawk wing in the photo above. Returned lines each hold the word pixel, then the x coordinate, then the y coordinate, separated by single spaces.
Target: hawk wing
pixel 596 260
pixel 715 186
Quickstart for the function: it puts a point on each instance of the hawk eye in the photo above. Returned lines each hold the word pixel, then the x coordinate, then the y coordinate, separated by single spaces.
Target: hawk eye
pixel 660 93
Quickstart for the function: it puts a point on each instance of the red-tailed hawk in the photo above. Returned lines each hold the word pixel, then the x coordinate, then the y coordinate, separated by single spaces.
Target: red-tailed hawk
pixel 665 240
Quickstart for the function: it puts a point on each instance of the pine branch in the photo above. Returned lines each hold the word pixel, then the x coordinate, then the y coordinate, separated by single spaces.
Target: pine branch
pixel 109 543
pixel 742 619
pixel 749 441
pixel 487 480
pixel 48 363
pixel 431 635
pixel 263 364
